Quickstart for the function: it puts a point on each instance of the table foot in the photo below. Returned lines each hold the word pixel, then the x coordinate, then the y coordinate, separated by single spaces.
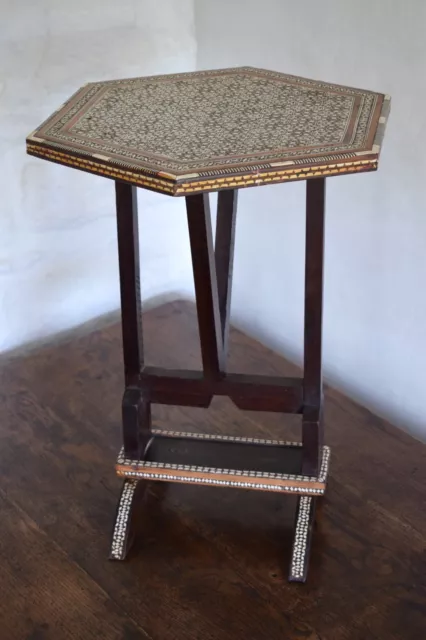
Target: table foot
pixel 305 516
pixel 123 532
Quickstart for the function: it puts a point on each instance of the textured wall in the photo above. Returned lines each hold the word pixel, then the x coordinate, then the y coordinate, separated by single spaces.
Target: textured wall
pixel 58 262
pixel 375 302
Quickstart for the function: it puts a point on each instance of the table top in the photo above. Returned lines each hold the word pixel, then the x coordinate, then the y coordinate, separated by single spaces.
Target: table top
pixel 209 130
pixel 207 563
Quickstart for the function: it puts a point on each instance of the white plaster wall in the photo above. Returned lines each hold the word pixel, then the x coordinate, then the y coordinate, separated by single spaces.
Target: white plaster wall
pixel 58 263
pixel 375 299
pixel 58 255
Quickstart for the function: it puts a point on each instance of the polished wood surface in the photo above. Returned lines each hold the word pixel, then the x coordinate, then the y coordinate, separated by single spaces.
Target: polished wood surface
pixel 136 409
pixel 205 283
pixel 209 563
pixel 224 247
pixel 312 424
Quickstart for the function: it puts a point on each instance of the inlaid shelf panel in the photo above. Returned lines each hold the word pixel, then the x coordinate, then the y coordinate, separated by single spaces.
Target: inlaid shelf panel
pixel 229 461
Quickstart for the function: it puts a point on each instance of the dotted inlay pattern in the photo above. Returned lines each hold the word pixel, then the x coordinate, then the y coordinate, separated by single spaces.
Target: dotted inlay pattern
pixel 300 546
pixel 238 182
pixel 248 479
pixel 120 533
pixel 238 122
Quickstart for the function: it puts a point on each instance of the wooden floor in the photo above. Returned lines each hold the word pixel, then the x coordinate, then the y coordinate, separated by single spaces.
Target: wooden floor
pixel 209 564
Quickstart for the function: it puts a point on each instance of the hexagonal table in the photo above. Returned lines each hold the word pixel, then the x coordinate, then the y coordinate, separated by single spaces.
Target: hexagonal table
pixel 189 134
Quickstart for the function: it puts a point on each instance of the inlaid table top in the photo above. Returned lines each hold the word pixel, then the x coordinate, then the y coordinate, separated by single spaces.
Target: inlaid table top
pixel 208 130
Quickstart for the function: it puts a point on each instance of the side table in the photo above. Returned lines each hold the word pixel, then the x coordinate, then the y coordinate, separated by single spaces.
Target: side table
pixel 186 135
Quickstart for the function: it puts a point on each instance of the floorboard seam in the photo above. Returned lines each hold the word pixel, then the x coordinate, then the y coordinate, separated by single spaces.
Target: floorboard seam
pixel 71 560
pixel 229 556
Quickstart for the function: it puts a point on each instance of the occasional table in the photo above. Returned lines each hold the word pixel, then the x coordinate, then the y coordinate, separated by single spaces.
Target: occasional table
pixel 187 135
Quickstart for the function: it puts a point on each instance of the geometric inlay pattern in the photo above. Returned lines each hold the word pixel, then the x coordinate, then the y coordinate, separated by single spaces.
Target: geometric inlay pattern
pixel 197 131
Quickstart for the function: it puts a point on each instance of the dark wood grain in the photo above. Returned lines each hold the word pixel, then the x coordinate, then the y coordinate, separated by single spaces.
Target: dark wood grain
pixel 247 391
pixel 205 282
pixel 272 459
pixel 128 258
pixel 136 410
pixel 312 426
pixel 209 563
pixel 44 594
pixel 136 419
pixel 226 220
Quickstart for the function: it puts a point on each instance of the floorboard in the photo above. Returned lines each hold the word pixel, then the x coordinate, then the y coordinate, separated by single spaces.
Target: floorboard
pixel 209 563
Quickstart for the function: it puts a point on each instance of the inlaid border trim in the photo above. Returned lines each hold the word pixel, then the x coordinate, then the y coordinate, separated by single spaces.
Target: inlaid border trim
pixel 159 183
pixel 286 175
pixel 223 438
pixel 122 521
pixel 247 479
pixel 169 477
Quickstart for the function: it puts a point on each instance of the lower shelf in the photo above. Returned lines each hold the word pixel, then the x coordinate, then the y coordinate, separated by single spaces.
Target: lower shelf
pixel 245 463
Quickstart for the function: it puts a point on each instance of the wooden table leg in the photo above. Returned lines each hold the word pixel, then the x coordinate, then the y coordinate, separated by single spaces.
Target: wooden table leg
pixel 224 256
pixel 312 424
pixel 205 282
pixel 136 409
pixel 312 421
